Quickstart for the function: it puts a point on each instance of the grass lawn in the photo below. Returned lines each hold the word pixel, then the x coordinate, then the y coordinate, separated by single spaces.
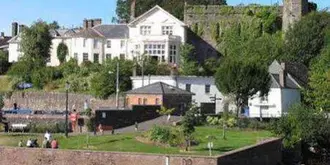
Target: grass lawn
pixel 4 84
pixel 128 143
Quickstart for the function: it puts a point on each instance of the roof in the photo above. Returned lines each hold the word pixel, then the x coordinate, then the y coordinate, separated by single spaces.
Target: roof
pixel 297 74
pixel 151 11
pixel 4 41
pixel 88 33
pixel 119 31
pixel 159 88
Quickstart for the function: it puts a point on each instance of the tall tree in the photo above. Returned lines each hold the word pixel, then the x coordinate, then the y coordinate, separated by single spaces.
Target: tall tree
pixel 242 79
pixel 123 6
pixel 54 25
pixel 188 65
pixel 62 52
pixel 3 62
pixel 36 43
pixel 305 40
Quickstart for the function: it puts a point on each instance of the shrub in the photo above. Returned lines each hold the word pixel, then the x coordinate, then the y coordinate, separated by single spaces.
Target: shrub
pixel 58 127
pixel 91 124
pixel 69 68
pixel 252 124
pixel 78 83
pixel 160 134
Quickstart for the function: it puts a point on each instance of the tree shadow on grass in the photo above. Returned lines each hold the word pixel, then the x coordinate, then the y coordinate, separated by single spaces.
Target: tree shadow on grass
pixel 112 141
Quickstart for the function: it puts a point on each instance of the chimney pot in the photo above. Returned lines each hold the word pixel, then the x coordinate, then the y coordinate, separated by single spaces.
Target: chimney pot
pixel 85 24
pixel 14 29
pixel 282 75
pixel 97 21
pixel 2 34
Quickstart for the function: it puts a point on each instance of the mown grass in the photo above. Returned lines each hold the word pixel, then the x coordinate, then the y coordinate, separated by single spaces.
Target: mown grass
pixel 127 142
pixel 5 84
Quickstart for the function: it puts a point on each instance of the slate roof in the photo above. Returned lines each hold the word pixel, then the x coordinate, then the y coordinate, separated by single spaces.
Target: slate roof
pixel 88 33
pixel 119 31
pixel 159 88
pixel 290 82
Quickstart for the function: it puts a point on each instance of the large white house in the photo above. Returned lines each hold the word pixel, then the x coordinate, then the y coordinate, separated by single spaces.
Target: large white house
pixel 156 33
pixel 286 81
pixel 203 87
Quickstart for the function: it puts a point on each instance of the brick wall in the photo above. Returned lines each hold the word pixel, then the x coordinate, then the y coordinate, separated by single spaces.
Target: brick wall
pixel 56 101
pixel 133 99
pixel 265 153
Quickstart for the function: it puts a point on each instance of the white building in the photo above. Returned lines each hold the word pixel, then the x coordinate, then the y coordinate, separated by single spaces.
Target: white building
pixel 286 82
pixel 203 87
pixel 156 33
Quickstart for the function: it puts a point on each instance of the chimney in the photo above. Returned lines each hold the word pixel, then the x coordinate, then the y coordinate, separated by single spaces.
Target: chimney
pixel 14 29
pixel 2 35
pixel 85 24
pixel 97 21
pixel 90 23
pixel 133 4
pixel 134 71
pixel 282 75
pixel 21 28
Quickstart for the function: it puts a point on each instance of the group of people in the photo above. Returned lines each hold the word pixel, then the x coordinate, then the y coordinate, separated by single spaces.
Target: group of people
pixel 48 142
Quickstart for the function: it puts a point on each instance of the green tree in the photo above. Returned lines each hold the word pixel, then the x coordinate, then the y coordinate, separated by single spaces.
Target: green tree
pixel 305 40
pixel 142 6
pixel 188 64
pixel 242 79
pixel 22 70
pixel 3 62
pixel 188 124
pixel 62 52
pixel 2 103
pixel 54 25
pixel 36 43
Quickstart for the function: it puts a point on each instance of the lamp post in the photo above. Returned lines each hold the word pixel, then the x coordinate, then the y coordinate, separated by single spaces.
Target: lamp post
pixel 117 85
pixel 67 87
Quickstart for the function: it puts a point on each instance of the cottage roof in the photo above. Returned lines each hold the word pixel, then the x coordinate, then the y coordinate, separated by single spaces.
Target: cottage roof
pixel 4 41
pixel 119 31
pixel 159 88
pixel 88 33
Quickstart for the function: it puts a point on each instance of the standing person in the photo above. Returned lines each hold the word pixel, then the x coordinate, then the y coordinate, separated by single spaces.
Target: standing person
pixel 101 129
pixel 45 143
pixel 74 118
pixel 136 126
pixel 54 144
pixel 48 136
pixel 29 143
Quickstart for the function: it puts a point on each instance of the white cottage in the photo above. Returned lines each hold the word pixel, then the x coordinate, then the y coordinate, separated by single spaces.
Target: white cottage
pixel 286 81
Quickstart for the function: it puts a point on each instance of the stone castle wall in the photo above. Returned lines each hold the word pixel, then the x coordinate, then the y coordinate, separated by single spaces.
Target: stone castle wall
pixel 49 101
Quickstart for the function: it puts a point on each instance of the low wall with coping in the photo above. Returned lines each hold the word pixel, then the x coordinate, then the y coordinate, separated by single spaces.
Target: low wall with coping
pixel 265 153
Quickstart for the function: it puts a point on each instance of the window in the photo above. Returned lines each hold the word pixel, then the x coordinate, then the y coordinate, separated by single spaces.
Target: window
pixel 108 56
pixel 104 115
pixel 84 42
pixel 85 57
pixel 188 87
pixel 264 108
pixel 127 101
pixel 264 98
pixel 122 56
pixel 154 49
pixel 145 101
pixel 167 30
pixel 122 44
pixel 95 43
pixel 173 54
pixel 139 101
pixel 75 56
pixel 207 88
pixel 18 47
pixel 157 101
pixel 108 44
pixel 96 58
pixel 137 47
pixel 163 58
pixel 145 30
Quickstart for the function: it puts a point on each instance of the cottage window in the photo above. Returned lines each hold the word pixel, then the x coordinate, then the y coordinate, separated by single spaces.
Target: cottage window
pixel 104 115
pixel 108 44
pixel 75 56
pixel 145 30
pixel 157 101
pixel 95 43
pixel 85 57
pixel 108 56
pixel 155 49
pixel 127 101
pixel 173 53
pixel 167 30
pixel 84 42
pixel 122 56
pixel 96 58
pixel 207 88
pixel 139 101
pixel 188 87
pixel 145 101
pixel 122 44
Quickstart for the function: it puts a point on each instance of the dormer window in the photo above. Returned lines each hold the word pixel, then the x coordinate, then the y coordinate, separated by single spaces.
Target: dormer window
pixel 167 30
pixel 145 30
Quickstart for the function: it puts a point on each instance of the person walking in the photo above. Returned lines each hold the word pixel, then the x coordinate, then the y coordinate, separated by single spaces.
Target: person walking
pixel 54 144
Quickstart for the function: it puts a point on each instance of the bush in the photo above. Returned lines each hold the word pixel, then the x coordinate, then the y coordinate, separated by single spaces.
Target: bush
pixel 58 127
pixel 251 123
pixel 69 68
pixel 167 135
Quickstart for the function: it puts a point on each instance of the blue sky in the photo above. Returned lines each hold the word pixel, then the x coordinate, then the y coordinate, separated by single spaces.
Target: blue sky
pixel 71 12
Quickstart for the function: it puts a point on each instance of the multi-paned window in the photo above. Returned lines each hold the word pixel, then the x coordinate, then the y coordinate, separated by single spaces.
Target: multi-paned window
pixel 173 52
pixel 75 56
pixel 96 58
pixel 84 42
pixel 145 101
pixel 122 44
pixel 154 49
pixel 108 56
pixel 167 30
pixel 122 56
pixel 188 87
pixel 85 57
pixel 145 30
pixel 207 88
pixel 95 43
pixel 108 44
pixel 139 101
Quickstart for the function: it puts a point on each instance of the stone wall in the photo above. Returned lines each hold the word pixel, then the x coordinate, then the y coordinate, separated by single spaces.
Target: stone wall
pixel 56 101
pixel 265 153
